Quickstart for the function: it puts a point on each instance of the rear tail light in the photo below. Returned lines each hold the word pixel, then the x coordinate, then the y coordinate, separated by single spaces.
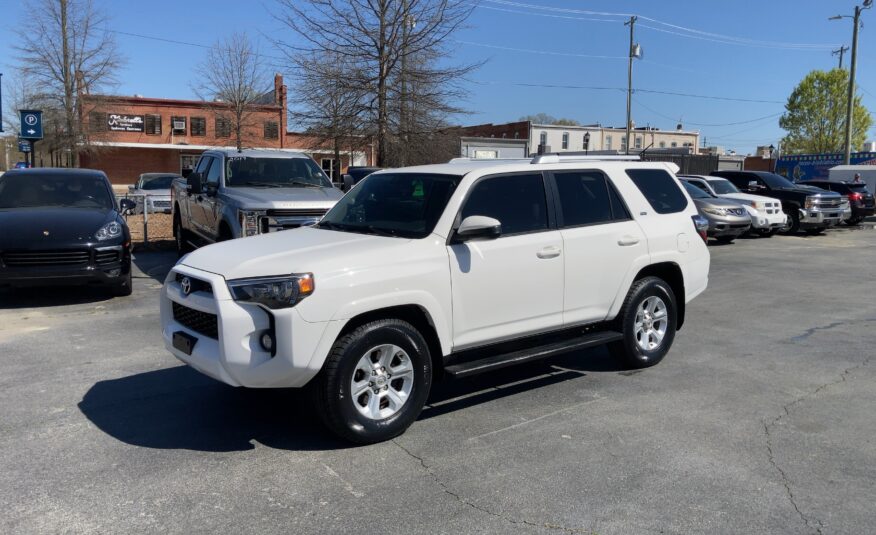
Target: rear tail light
pixel 855 197
pixel 701 224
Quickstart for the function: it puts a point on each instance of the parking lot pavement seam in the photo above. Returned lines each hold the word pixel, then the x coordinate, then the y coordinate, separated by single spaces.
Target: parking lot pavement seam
pixel 446 490
pixel 808 520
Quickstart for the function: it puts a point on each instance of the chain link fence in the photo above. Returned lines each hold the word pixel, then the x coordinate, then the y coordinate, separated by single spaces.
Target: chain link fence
pixel 151 222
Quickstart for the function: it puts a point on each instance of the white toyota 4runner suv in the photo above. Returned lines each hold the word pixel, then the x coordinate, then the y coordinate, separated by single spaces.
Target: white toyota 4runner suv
pixel 450 270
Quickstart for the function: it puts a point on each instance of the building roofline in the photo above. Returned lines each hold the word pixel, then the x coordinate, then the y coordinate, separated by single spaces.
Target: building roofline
pixel 170 102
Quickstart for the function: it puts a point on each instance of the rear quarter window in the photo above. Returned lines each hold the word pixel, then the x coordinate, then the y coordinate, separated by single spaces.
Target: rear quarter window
pixel 660 189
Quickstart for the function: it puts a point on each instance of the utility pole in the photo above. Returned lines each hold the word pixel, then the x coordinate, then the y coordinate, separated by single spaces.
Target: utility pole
pixel 839 52
pixel 1 103
pixel 632 23
pixel 848 157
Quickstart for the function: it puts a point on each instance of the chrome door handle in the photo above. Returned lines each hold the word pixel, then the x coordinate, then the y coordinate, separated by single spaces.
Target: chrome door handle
pixel 626 241
pixel 549 252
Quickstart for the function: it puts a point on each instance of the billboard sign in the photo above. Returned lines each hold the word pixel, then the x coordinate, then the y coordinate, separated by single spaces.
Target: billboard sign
pixel 117 122
pixel 801 167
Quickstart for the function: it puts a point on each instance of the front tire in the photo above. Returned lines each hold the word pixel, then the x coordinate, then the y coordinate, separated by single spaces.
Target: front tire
pixel 815 231
pixel 126 287
pixel 793 224
pixel 374 382
pixel 181 238
pixel 648 320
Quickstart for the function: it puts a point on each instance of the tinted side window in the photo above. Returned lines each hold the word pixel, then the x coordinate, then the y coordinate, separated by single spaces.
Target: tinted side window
pixel 517 201
pixel 660 189
pixel 619 210
pixel 215 171
pixel 699 185
pixel 203 164
pixel 584 198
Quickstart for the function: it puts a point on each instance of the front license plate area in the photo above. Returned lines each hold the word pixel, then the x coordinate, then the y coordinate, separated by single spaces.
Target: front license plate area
pixel 184 342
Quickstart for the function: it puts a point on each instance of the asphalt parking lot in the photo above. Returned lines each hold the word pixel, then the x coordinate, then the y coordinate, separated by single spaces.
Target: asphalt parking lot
pixel 760 420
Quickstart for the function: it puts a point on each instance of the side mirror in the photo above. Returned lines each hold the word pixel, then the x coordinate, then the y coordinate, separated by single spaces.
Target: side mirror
pixel 193 184
pixel 347 183
pixel 126 205
pixel 478 227
pixel 753 185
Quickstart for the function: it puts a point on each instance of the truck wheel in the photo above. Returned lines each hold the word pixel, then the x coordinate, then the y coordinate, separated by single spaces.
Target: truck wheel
pixel 648 320
pixel 854 221
pixel 793 224
pixel 181 238
pixel 374 382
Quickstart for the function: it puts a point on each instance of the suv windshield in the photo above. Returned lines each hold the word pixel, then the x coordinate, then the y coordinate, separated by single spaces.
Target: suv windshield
pixel 776 181
pixel 695 192
pixel 406 205
pixel 723 187
pixel 33 190
pixel 157 182
pixel 246 171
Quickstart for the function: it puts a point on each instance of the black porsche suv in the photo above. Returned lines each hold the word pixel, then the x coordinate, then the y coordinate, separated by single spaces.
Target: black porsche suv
pixel 63 226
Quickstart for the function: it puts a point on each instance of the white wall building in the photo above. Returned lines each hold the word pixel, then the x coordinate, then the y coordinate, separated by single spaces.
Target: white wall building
pixel 571 138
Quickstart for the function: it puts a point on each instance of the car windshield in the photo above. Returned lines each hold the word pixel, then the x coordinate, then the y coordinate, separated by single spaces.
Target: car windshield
pixel 776 181
pixel 157 182
pixel 32 190
pixel 723 187
pixel 695 192
pixel 858 188
pixel 405 205
pixel 265 172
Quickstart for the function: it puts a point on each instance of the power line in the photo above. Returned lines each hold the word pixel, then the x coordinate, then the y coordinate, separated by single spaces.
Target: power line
pixel 184 43
pixel 755 120
pixel 545 52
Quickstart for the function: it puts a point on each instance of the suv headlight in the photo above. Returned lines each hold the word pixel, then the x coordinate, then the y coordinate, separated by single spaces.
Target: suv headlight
pixel 249 222
pixel 273 292
pixel 715 211
pixel 109 231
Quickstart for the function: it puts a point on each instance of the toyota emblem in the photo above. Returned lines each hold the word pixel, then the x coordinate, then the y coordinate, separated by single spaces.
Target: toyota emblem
pixel 186 285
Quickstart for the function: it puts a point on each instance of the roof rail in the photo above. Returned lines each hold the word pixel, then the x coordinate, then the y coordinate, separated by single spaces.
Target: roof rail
pixel 576 156
pixel 489 161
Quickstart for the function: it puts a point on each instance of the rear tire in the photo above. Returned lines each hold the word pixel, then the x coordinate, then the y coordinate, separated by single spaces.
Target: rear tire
pixel 648 321
pixel 389 356
pixel 181 237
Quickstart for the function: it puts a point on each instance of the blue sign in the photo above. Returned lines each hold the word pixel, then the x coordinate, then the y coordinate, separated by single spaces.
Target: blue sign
pixel 31 124
pixel 23 146
pixel 800 167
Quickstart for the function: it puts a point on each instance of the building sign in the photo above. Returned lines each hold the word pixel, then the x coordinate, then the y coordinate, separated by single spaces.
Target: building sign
pixel 124 123
pixel 800 167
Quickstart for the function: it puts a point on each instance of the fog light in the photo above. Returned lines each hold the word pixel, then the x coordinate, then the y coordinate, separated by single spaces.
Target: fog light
pixel 114 272
pixel 267 341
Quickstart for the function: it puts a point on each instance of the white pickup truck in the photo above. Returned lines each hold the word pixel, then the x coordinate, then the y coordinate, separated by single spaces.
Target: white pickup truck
pixel 443 270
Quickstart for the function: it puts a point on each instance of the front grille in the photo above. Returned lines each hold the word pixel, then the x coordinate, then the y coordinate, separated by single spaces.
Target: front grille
pixel 200 322
pixel 47 258
pixel 198 285
pixel 106 257
pixel 161 204
pixel 828 203
pixel 736 211
pixel 304 212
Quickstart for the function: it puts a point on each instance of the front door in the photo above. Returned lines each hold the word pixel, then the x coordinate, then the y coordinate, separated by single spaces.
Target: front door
pixel 510 286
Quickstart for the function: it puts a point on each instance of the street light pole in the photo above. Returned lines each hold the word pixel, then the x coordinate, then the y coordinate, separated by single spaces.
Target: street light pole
pixel 632 23
pixel 851 99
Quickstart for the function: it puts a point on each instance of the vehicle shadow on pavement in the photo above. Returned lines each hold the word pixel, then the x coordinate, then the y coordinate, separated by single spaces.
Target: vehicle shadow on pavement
pixel 52 296
pixel 154 264
pixel 179 408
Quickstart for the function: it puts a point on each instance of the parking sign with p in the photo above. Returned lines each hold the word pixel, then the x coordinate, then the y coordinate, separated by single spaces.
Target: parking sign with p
pixel 31 124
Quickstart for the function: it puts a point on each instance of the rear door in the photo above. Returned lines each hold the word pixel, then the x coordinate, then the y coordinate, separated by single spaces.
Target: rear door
pixel 601 242
pixel 512 285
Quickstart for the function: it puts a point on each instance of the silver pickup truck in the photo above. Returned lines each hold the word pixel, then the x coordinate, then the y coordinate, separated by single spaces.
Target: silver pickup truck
pixel 234 194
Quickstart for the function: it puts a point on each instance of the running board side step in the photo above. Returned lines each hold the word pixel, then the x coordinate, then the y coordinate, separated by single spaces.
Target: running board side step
pixel 522 356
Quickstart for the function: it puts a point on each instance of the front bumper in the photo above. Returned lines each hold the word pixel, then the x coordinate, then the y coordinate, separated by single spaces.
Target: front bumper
pixel 234 355
pixel 93 265
pixel 720 226
pixel 820 217
pixel 768 219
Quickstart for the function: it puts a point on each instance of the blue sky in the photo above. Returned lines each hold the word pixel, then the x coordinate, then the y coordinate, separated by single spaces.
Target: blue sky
pixel 762 51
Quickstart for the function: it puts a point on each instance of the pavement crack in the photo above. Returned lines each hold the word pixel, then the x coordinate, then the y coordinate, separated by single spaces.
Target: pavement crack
pixel 810 521
pixel 446 490
pixel 812 330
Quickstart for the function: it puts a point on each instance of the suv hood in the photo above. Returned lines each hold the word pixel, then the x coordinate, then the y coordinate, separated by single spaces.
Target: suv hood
pixel 812 190
pixel 719 202
pixel 300 250
pixel 760 199
pixel 37 227
pixel 297 197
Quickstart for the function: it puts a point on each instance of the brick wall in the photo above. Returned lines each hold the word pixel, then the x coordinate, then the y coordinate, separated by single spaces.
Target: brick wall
pixel 125 165
pixel 756 163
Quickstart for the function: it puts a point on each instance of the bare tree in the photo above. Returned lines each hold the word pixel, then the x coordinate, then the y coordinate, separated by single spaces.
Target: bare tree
pixel 325 106
pixel 67 49
pixel 235 77
pixel 381 37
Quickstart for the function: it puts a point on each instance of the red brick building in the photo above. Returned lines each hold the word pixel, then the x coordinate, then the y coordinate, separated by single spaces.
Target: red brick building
pixel 133 135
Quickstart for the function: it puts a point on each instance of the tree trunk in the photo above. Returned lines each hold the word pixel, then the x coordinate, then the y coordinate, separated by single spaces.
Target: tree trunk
pixel 69 119
pixel 382 115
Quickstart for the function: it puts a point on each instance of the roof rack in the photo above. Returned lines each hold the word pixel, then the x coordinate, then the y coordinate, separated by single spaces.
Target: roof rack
pixel 580 156
pixel 489 161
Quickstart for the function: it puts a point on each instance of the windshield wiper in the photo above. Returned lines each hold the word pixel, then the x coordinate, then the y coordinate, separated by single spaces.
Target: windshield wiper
pixel 381 231
pixel 305 184
pixel 264 184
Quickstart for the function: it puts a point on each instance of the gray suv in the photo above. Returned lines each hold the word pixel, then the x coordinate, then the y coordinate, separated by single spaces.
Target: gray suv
pixel 727 219
pixel 234 194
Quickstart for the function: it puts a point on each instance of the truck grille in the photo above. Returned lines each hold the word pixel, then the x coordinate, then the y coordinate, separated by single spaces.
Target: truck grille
pixel 829 202
pixel 47 258
pixel 294 212
pixel 201 322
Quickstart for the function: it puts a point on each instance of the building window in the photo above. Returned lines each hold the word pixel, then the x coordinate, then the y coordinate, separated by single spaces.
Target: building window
pixel 178 125
pixel 516 135
pixel 565 140
pixel 607 142
pixel 271 130
pixel 153 125
pixel 542 139
pixel 97 121
pixel 223 127
pixel 673 144
pixel 624 143
pixel 638 142
pixel 199 126
pixel 328 166
pixel 662 144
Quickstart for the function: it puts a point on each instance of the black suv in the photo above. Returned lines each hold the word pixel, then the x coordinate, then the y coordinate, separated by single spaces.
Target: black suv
pixel 809 208
pixel 861 200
